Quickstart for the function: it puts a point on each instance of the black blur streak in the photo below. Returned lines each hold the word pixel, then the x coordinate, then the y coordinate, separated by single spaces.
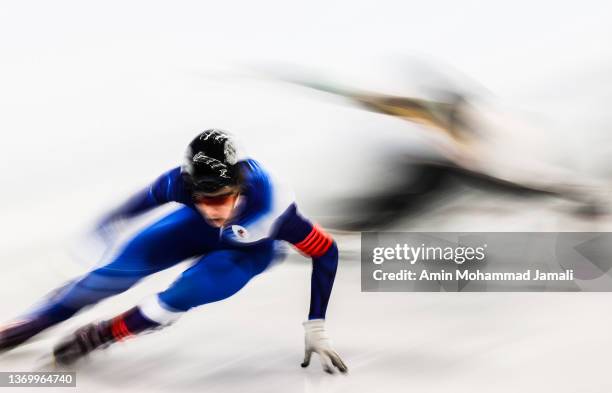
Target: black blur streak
pixel 382 209
pixel 433 184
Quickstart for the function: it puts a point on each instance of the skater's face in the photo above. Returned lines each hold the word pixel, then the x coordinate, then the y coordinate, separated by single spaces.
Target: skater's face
pixel 216 207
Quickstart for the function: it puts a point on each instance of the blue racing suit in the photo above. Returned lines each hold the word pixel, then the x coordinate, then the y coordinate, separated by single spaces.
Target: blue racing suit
pixel 226 258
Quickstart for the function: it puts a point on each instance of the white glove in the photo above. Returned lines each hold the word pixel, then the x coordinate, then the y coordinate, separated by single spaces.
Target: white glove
pixel 317 341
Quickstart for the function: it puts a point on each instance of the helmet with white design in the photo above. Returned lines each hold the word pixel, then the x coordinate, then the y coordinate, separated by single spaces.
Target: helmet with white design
pixel 210 162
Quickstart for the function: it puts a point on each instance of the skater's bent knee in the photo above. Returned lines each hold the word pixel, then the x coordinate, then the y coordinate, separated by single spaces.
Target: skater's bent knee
pixel 154 309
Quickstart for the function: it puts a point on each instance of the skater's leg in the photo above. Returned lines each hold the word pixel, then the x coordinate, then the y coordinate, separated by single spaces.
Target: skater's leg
pixel 214 277
pixel 176 237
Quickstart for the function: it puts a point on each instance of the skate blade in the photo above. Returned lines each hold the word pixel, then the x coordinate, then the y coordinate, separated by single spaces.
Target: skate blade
pixel 48 363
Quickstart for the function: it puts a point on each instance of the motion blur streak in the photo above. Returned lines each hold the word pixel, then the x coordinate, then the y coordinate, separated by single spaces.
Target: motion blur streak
pixel 474 139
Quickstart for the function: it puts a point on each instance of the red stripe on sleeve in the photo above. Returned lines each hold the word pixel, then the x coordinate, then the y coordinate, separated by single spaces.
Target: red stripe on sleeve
pixel 322 247
pixel 307 240
pixel 310 245
pixel 316 243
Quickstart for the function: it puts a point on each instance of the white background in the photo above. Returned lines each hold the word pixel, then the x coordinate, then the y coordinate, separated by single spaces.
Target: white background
pixel 97 98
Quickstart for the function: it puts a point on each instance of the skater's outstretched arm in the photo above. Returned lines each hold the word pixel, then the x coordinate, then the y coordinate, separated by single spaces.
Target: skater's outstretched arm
pixel 167 187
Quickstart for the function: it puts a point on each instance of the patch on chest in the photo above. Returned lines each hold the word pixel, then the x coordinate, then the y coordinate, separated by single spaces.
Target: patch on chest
pixel 240 232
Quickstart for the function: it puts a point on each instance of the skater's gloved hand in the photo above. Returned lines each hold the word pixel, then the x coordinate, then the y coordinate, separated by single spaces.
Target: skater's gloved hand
pixel 317 341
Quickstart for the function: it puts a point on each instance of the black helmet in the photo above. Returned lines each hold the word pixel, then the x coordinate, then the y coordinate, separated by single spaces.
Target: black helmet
pixel 210 162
